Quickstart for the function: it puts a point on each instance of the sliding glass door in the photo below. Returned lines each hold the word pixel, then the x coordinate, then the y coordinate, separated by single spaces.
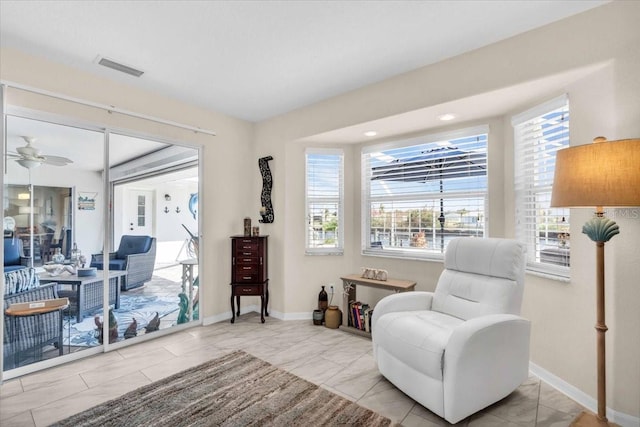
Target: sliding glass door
pixel 95 252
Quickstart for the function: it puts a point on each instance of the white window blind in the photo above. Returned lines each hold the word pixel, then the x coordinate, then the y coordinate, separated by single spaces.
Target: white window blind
pixel 324 201
pixel 421 193
pixel 539 134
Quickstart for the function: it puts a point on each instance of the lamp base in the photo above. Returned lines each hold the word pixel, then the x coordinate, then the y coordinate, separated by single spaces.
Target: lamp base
pixel 588 419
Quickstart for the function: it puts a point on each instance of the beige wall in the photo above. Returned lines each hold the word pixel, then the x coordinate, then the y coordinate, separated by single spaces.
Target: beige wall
pixel 604 102
pixel 228 182
pixel 562 314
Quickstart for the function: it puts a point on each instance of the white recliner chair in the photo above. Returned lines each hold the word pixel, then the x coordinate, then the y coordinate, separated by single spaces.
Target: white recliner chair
pixel 463 347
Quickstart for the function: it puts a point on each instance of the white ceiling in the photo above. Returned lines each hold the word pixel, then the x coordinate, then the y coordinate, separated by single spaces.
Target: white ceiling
pixel 258 59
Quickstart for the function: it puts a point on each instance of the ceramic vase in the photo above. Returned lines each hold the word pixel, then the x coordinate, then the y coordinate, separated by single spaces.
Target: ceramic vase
pixel 317 317
pixel 332 317
pixel 57 257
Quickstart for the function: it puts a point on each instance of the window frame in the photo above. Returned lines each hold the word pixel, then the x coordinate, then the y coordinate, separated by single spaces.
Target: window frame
pixel 366 171
pixel 339 201
pixel 525 188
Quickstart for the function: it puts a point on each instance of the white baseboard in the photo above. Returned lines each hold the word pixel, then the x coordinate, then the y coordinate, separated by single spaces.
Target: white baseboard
pixel 625 420
pixel 256 309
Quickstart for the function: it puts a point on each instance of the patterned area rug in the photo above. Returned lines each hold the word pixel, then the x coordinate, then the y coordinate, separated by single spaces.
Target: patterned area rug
pixel 141 307
pixel 234 390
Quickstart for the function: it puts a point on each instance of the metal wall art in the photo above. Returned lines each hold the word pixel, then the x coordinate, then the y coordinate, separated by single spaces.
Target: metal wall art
pixel 266 211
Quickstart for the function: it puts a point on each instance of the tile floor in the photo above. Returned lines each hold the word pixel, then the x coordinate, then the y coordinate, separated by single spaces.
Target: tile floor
pixel 336 360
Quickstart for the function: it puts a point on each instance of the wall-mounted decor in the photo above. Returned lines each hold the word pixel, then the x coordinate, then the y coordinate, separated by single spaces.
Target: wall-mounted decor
pixel 266 209
pixel 193 205
pixel 87 201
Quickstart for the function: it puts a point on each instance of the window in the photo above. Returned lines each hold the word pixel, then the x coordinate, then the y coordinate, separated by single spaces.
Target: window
pixel 324 201
pixel 421 193
pixel 539 134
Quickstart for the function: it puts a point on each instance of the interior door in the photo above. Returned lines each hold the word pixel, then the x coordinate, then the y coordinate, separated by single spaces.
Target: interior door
pixel 139 212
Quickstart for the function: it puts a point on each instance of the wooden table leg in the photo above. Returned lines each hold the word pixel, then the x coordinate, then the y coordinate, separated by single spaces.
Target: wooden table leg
pixel 233 309
pixel 262 308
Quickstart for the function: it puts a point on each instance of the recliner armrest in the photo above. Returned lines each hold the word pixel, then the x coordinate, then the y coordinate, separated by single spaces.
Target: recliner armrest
pixel 403 301
pixel 488 353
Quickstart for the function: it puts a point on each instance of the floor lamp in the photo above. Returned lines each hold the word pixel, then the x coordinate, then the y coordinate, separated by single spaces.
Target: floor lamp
pixel 605 173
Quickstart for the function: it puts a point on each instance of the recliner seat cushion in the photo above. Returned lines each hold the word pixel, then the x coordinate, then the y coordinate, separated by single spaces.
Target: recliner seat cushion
pixel 416 338
pixel 114 264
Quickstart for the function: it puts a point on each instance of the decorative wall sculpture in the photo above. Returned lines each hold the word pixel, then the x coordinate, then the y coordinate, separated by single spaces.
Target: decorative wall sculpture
pixel 266 211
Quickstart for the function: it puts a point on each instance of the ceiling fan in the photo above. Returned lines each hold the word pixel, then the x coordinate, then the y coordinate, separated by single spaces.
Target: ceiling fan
pixel 30 157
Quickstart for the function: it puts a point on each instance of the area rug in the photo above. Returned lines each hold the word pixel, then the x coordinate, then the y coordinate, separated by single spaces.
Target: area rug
pixel 234 390
pixel 143 308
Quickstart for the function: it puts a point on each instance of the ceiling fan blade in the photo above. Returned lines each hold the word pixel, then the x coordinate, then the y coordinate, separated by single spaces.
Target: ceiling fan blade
pixel 56 160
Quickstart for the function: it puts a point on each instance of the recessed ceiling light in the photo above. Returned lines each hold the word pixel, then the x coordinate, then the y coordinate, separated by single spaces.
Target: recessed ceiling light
pixel 447 117
pixel 370 133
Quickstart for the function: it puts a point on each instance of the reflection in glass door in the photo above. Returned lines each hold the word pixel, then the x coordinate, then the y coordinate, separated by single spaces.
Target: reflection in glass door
pixel 44 310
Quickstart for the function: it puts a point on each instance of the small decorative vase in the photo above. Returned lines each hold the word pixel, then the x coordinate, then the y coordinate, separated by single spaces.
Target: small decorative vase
pixel 323 300
pixel 317 317
pixel 57 257
pixel 332 317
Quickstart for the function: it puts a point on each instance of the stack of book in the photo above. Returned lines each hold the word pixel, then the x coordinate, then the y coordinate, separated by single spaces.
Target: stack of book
pixel 360 315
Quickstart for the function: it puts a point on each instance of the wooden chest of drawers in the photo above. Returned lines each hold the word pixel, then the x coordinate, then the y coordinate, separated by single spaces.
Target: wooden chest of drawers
pixel 249 272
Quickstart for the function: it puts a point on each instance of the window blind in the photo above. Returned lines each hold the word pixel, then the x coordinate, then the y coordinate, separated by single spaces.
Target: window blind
pixel 538 134
pixel 324 201
pixel 421 193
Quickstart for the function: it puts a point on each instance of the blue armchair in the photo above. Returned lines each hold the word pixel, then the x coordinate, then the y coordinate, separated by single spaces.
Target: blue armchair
pixel 13 255
pixel 136 255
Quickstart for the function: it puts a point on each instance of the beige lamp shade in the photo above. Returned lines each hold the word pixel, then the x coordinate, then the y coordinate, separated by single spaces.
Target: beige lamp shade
pixel 605 173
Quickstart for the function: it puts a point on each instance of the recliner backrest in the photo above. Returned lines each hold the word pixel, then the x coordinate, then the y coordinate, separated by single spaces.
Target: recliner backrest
pixel 133 245
pixel 482 276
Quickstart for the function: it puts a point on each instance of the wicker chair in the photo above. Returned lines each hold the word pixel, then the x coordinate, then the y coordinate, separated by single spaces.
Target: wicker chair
pixel 136 255
pixel 34 332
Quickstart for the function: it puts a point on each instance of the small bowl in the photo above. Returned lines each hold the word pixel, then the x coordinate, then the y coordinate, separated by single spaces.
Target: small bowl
pixel 85 272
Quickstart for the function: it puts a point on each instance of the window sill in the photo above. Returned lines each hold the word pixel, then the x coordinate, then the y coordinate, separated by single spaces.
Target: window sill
pixel 549 275
pixel 385 253
pixel 325 253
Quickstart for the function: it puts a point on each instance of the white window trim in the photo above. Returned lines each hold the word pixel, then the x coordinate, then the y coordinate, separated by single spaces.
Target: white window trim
pixel 546 270
pixel 339 250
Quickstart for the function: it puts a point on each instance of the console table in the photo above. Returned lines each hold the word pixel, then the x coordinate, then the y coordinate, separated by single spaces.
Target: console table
pixel 349 284
pixel 249 272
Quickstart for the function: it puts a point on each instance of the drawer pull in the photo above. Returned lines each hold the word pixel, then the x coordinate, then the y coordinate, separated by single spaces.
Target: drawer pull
pixel 246 289
pixel 246 268
pixel 247 253
pixel 246 277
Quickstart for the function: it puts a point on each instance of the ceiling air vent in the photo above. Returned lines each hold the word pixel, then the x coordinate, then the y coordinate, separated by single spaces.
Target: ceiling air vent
pixel 120 67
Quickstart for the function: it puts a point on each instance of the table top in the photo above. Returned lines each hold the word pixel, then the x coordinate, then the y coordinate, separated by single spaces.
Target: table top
pixel 389 283
pixel 191 261
pixel 74 279
pixel 37 307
